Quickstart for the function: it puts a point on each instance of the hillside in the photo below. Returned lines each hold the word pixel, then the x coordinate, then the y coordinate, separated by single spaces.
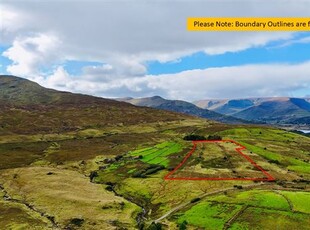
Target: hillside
pixel 278 110
pixel 27 107
pixel 182 107
pixel 72 161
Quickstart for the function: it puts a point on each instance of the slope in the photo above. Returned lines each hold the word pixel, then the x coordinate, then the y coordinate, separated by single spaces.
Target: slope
pixel 27 107
pixel 183 107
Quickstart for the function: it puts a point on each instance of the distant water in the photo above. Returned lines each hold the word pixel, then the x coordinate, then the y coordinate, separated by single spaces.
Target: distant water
pixel 304 131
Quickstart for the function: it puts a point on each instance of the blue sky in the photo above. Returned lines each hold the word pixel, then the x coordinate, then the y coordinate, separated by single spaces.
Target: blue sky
pixel 275 52
pixel 288 52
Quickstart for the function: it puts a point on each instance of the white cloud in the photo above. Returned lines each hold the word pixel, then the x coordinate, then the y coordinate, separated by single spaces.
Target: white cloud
pixel 148 30
pixel 223 82
pixel 59 79
pixel 12 20
pixel 235 82
pixel 29 54
pixel 124 35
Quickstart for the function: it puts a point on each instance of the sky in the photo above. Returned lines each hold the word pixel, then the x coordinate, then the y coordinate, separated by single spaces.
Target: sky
pixel 141 48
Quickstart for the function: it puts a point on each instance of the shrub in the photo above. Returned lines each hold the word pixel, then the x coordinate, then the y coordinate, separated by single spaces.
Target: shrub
pixel 77 221
pixel 151 169
pixel 194 137
pixel 138 174
pixel 155 226
pixel 92 175
pixel 118 157
pixel 274 162
pixel 109 188
pixel 214 137
pixel 195 200
pixel 183 225
pixel 238 186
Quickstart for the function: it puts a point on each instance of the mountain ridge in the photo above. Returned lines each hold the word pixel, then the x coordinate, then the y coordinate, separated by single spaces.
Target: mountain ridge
pixel 274 110
pixel 27 107
pixel 183 107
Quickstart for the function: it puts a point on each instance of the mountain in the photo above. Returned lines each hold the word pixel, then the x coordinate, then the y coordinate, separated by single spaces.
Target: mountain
pixel 277 110
pixel 182 107
pixel 26 107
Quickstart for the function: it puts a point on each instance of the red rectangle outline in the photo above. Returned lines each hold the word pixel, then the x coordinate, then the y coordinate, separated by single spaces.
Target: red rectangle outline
pixel 238 149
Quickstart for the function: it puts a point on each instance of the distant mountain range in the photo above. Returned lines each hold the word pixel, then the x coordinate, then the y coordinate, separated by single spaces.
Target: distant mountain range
pixel 272 110
pixel 25 105
pixel 182 107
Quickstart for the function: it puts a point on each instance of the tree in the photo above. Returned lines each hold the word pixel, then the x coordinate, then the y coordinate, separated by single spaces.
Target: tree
pixel 155 226
pixel 194 137
pixel 214 137
pixel 183 226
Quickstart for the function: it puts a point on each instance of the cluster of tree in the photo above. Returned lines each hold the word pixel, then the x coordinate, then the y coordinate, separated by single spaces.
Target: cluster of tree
pixel 194 137
pixel 92 175
pixel 195 200
pixel 151 169
pixel 214 137
pixel 183 225
pixel 238 186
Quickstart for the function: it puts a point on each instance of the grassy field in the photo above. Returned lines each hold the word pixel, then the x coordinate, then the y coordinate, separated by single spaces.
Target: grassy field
pixel 257 218
pixel 45 171
pixel 256 198
pixel 158 154
pixel 298 200
pixel 253 209
pixel 287 150
pixel 209 215
pixel 66 195
pixel 218 160
pixel 16 216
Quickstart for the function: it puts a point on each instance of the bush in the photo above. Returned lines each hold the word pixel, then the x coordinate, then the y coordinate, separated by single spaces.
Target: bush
pixel 92 175
pixel 138 174
pixel 109 188
pixel 155 226
pixel 151 169
pixel 183 225
pixel 274 162
pixel 118 157
pixel 214 137
pixel 195 200
pixel 194 137
pixel 238 186
pixel 77 221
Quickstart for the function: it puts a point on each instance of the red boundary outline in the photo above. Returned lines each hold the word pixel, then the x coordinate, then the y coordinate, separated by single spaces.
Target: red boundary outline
pixel 238 149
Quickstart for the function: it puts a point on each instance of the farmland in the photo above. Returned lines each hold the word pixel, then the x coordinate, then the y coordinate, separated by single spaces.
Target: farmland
pixel 127 173
pixel 249 208
pixel 219 160
pixel 79 162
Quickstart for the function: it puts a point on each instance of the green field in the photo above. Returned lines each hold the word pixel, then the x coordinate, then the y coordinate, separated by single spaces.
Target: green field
pixel 261 209
pixel 209 215
pixel 257 198
pixel 300 200
pixel 158 153
pixel 56 169
pixel 287 150
pixel 257 218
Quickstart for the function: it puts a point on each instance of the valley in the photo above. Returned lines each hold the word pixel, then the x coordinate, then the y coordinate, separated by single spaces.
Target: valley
pixel 79 162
